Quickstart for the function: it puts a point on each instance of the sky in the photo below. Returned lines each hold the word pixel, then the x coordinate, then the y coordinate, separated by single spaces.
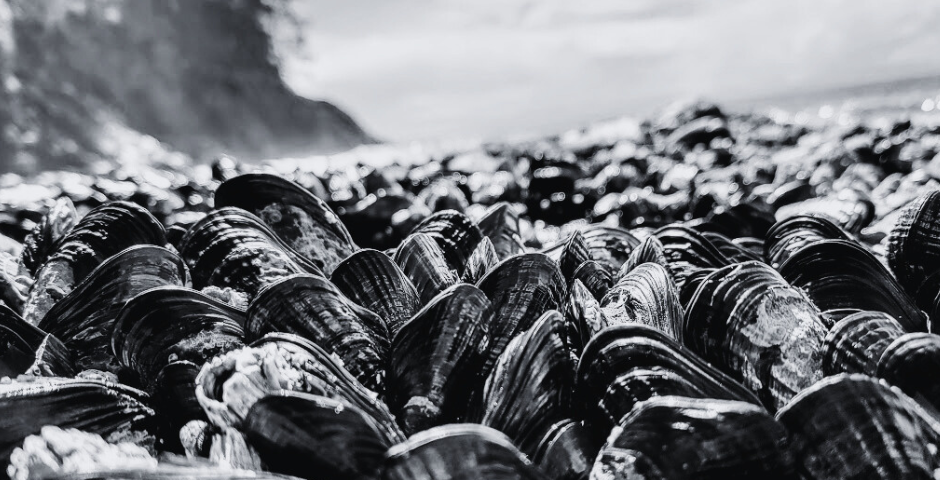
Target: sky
pixel 492 69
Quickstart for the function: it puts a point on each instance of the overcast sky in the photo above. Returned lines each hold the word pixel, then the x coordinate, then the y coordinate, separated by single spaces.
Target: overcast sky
pixel 425 69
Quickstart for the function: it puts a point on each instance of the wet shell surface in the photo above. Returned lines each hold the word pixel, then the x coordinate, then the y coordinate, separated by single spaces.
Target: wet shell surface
pixel 298 217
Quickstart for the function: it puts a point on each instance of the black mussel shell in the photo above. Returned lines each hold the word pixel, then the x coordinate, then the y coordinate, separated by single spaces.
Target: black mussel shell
pixel 610 246
pixel 455 233
pixel 914 242
pixel 731 250
pixel 501 225
pixel 173 397
pixel 230 384
pixel 298 217
pixel 856 343
pixel 573 255
pixel 521 289
pixel 113 411
pixel 458 452
pixel 583 316
pixel 686 438
pixel 567 452
pixel 857 427
pixel 315 437
pixel 746 319
pixel 481 261
pixel 371 279
pixel 646 295
pixel 423 262
pixel 103 232
pixel 530 388
pixel 41 242
pixel 743 220
pixel 166 324
pixel 630 363
pixel 687 251
pixel 692 282
pixel 232 248
pixel 595 276
pixel 650 251
pixel 912 363
pixel 434 357
pixel 839 274
pixel 849 208
pixel 84 319
pixel 788 236
pixel 25 349
pixel 313 308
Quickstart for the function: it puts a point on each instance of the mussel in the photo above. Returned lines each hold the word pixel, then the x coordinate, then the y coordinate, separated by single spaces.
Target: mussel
pixel 435 357
pixel 312 307
pixel 101 233
pixel 857 427
pixel 684 438
pixel 298 217
pixel 747 320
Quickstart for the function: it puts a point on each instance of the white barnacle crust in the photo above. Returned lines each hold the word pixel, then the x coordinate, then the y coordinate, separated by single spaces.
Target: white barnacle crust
pixel 58 452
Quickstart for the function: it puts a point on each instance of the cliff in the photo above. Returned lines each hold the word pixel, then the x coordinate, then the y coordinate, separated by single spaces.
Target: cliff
pixel 146 80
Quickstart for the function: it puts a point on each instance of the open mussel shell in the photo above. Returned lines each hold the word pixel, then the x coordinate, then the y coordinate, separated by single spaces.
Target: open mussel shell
pixel 481 261
pixel 651 250
pixel 55 224
pixel 434 357
pixel 232 248
pixel 788 236
pixel 521 289
pixel 500 224
pixel 423 262
pixel 857 427
pixel 455 233
pixel 630 363
pixel 763 332
pixel 371 279
pixel 855 343
pixel 583 316
pixel 25 349
pixel 595 276
pixel 567 451
pixel 573 254
pixel 102 233
pixel 646 295
pixel 298 217
pixel 171 323
pixel 315 437
pixel 113 411
pixel 312 307
pixel 912 363
pixel 838 274
pixel 686 438
pixel 458 452
pixel 688 251
pixel 610 246
pixel 531 386
pixel 84 319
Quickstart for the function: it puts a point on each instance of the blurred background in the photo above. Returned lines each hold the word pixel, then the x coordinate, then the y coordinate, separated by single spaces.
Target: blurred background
pixel 490 68
pixel 90 82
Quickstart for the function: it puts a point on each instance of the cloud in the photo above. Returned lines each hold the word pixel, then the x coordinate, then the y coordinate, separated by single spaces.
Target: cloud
pixel 419 69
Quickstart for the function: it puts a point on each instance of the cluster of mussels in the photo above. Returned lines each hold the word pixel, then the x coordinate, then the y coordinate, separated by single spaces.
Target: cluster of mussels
pixel 714 297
